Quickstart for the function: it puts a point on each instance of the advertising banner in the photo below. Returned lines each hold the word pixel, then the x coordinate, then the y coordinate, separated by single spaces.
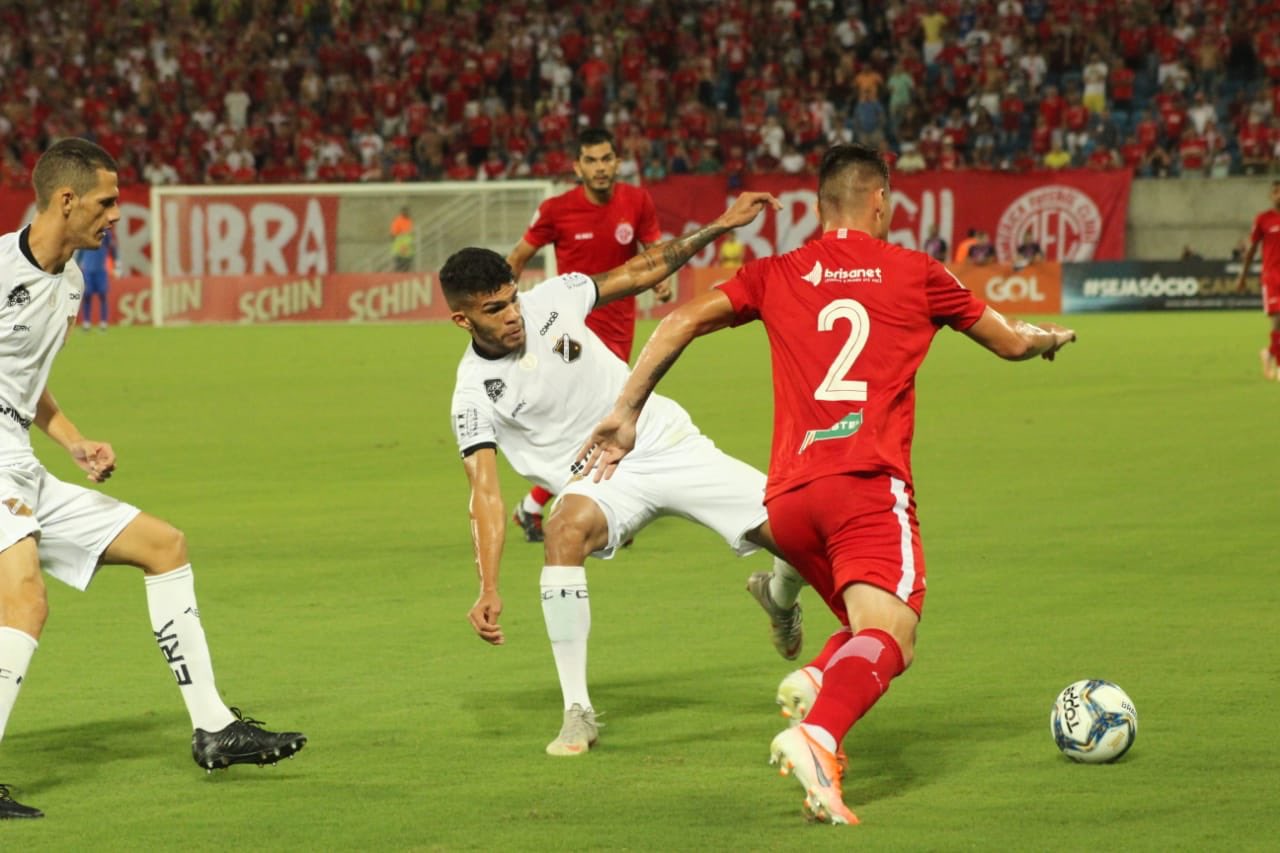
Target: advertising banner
pixel 1033 289
pixel 1076 215
pixel 1156 286
pixel 334 297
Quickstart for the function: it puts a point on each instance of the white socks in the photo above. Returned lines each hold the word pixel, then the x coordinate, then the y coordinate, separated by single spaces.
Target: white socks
pixel 567 612
pixel 531 506
pixel 16 649
pixel 785 584
pixel 175 621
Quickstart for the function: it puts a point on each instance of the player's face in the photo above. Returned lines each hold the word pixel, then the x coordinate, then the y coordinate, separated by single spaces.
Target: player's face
pixel 597 167
pixel 92 214
pixel 494 321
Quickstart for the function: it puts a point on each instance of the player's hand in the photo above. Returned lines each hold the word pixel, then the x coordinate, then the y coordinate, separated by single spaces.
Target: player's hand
pixel 662 291
pixel 747 207
pixel 613 438
pixel 1240 283
pixel 484 618
pixel 1061 336
pixel 96 458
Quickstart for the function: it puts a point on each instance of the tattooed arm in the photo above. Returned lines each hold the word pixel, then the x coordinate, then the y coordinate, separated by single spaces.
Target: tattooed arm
pixel 615 436
pixel 655 263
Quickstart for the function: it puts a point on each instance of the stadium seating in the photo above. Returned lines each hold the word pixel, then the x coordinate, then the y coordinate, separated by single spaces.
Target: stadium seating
pixel 243 92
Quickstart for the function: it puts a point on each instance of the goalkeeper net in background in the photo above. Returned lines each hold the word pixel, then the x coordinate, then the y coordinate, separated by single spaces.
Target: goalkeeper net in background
pixel 251 253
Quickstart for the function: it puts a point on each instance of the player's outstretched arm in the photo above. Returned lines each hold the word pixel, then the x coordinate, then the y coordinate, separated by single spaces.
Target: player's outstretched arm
pixel 520 256
pixel 95 458
pixel 1017 340
pixel 488 534
pixel 615 436
pixel 657 262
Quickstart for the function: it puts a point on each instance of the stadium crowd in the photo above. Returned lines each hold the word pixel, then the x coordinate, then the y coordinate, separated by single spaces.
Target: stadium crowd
pixel 239 91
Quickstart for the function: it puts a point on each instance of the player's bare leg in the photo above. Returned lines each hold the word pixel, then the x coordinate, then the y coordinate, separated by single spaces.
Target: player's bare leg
pixel 576 528
pixel 222 736
pixel 23 610
pixel 854 679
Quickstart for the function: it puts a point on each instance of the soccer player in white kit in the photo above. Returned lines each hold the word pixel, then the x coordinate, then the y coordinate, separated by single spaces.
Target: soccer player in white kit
pixel 533 382
pixel 67 530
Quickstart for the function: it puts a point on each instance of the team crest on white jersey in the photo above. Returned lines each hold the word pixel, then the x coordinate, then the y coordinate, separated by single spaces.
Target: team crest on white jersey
pixel 624 233
pixel 495 388
pixel 568 349
pixel 18 296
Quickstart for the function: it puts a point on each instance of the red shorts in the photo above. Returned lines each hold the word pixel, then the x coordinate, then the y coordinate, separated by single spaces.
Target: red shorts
pixel 850 528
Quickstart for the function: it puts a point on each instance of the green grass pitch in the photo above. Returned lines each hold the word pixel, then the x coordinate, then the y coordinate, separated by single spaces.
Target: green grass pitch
pixel 1109 515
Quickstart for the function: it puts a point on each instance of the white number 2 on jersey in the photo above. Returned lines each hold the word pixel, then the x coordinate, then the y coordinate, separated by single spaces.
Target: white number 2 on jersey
pixel 834 385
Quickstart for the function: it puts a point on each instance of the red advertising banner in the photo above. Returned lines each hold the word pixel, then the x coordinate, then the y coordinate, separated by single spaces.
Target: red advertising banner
pixel 337 297
pixel 226 235
pixel 1075 215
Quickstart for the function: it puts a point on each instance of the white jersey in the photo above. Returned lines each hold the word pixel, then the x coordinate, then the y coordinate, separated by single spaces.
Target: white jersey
pixel 539 404
pixel 34 309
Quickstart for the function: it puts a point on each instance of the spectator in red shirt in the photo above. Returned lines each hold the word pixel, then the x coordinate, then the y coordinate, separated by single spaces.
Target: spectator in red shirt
pixel 460 169
pixel 1192 154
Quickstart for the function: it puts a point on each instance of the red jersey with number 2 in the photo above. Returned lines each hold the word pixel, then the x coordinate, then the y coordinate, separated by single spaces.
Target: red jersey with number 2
pixel 849 319
pixel 593 238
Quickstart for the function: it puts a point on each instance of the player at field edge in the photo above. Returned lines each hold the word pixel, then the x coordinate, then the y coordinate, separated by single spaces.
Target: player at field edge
pixel 1266 232
pixel 71 531
pixel 532 382
pixel 850 318
pixel 596 226
pixel 96 267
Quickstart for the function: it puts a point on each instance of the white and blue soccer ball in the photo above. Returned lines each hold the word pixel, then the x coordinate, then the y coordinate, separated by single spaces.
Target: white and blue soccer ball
pixel 1093 721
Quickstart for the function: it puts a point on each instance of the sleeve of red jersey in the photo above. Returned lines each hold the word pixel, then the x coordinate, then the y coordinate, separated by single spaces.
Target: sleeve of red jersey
pixel 1256 234
pixel 647 229
pixel 950 302
pixel 746 292
pixel 542 230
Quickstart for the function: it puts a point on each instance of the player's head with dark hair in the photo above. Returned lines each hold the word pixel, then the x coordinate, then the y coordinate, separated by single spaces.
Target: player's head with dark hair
pixel 481 292
pixel 853 186
pixel 590 138
pixel 69 163
pixel 596 163
pixel 473 272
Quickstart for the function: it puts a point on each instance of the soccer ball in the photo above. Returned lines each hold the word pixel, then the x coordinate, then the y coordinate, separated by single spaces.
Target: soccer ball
pixel 1093 721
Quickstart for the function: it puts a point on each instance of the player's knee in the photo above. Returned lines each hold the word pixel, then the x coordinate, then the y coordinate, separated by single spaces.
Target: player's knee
pixel 569 538
pixel 24 604
pixel 168 551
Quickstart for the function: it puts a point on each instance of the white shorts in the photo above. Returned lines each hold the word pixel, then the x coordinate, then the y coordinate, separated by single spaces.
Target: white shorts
pixel 693 479
pixel 73 525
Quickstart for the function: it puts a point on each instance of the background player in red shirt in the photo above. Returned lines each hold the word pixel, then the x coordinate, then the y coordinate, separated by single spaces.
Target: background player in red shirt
pixel 850 318
pixel 597 226
pixel 1266 230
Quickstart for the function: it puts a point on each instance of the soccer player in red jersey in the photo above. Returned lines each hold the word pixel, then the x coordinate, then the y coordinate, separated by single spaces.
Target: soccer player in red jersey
pixel 850 318
pixel 1266 231
pixel 595 227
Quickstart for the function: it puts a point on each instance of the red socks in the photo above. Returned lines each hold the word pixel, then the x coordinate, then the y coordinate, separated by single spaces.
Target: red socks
pixel 855 677
pixel 1275 346
pixel 540 495
pixel 833 644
